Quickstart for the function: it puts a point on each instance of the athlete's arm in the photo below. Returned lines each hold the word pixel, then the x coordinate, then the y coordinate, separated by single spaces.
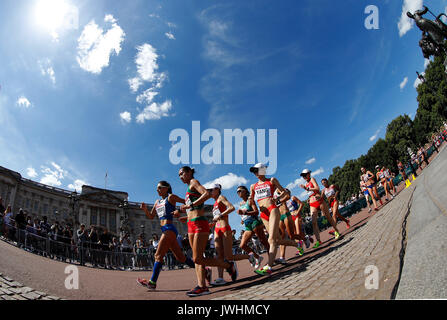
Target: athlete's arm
pixel 276 183
pixel 337 192
pixel 174 199
pixel 205 195
pixel 150 214
pixel 255 211
pixel 230 207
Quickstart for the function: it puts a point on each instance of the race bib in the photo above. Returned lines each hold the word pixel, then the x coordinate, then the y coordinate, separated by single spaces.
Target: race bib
pixel 161 210
pixel 262 193
pixel 188 202
pixel 216 212
pixel 290 206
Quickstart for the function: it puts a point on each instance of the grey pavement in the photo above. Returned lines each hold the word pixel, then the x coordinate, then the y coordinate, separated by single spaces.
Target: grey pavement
pixel 424 273
pixel 13 290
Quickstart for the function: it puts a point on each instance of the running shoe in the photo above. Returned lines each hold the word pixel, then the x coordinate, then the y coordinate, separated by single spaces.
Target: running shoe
pixel 331 232
pixel 208 275
pixel 347 224
pixel 317 244
pixel 142 282
pixel 258 262
pixel 252 259
pixel 300 251
pixel 198 291
pixel 307 242
pixel 337 235
pixel 280 261
pixel 369 210
pixel 152 285
pixel 219 282
pixel 266 271
pixel 232 270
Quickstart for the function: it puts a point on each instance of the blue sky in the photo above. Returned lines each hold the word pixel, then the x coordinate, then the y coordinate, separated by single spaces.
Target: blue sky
pixel 102 95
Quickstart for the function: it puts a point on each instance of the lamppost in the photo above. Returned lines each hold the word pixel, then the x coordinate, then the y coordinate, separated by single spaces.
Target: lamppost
pixel 73 201
pixel 124 205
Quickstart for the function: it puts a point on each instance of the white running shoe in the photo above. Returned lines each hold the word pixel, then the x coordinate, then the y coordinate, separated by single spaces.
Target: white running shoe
pixel 252 259
pixel 307 242
pixel 218 282
pixel 258 262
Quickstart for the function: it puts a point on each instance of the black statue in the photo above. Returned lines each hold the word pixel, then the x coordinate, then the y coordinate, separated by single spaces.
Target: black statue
pixel 429 47
pixel 437 30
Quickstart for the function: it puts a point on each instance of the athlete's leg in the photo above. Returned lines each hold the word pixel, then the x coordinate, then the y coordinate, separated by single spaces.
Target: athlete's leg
pixel 246 236
pixel 219 246
pixel 325 210
pixel 227 241
pixel 316 230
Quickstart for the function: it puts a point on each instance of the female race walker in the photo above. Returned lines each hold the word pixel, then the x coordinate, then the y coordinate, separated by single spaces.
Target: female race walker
pixel 316 203
pixel 331 192
pixel 368 178
pixel 165 209
pixel 253 225
pixel 389 179
pixel 262 191
pixel 223 234
pixel 380 176
pixel 287 226
pixel 295 206
pixel 198 233
pixel 366 193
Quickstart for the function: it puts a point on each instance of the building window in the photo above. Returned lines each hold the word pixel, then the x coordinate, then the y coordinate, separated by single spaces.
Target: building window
pixel 93 215
pixel 45 208
pixel 103 217
pixel 36 205
pixel 112 220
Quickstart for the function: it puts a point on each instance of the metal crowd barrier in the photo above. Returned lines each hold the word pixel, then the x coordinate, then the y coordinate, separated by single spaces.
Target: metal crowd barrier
pixel 86 253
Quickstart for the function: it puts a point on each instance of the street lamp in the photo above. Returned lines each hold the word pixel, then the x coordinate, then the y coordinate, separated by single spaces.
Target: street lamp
pixel 124 205
pixel 73 201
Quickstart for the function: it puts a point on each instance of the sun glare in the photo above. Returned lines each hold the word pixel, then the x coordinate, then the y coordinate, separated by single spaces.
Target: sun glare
pixel 50 14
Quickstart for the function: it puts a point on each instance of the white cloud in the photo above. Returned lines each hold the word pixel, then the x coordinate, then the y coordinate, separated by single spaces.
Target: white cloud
pixel 155 111
pixel 296 183
pixel 147 96
pixel 95 46
pixel 318 172
pixel 311 160
pixel 23 102
pixel 125 117
pixel 31 173
pixel 374 137
pixel 426 63
pixel 77 185
pixel 53 175
pixel 170 36
pixel 147 66
pixel 46 69
pixel 403 83
pixel 405 23
pixel 228 181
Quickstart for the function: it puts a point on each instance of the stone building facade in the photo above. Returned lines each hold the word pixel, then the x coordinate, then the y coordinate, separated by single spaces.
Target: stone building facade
pixel 93 206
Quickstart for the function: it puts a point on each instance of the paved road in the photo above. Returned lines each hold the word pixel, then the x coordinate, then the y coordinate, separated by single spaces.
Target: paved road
pixel 424 273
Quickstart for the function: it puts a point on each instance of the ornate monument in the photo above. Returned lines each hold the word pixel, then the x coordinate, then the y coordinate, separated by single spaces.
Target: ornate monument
pixel 434 33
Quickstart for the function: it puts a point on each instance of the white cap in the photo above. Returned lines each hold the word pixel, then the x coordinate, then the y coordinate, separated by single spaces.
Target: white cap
pixel 261 168
pixel 305 171
pixel 377 166
pixel 215 185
